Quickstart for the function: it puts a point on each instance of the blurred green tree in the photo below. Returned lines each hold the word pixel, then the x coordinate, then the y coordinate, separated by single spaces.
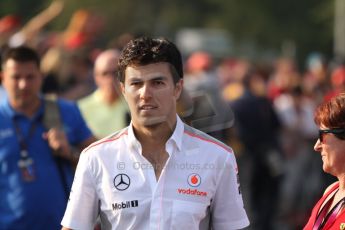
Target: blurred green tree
pixel 267 24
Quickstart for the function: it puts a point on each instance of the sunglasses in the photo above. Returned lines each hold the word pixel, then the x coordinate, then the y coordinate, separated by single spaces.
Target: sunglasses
pixel 339 133
pixel 108 73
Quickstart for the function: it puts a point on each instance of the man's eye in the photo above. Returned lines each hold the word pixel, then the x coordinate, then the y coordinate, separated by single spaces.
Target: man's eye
pixel 135 83
pixel 158 82
pixel 30 77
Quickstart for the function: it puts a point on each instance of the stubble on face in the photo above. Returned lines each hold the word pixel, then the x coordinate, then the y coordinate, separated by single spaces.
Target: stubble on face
pixel 22 82
pixel 157 105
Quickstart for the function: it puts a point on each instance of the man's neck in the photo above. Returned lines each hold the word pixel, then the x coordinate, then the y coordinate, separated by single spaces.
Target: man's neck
pixel 109 97
pixel 28 110
pixel 153 140
pixel 155 136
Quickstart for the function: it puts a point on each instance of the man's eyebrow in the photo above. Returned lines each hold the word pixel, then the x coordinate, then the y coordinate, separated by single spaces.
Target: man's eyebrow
pixel 135 79
pixel 158 78
pixel 155 78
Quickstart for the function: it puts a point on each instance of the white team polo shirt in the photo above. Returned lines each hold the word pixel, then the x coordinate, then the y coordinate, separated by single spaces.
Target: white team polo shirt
pixel 198 186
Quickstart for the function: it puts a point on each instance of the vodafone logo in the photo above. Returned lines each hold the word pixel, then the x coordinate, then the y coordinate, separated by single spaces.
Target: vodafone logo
pixel 194 180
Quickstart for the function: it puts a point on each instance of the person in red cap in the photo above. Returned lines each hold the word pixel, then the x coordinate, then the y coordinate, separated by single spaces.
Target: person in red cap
pixel 337 83
pixel 210 113
pixel 9 24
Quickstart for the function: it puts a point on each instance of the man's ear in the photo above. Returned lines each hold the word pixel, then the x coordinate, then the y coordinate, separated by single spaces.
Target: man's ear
pixel 122 87
pixel 178 89
pixel 42 75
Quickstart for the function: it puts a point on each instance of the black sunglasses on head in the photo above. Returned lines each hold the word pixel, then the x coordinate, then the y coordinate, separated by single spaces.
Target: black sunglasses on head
pixel 338 132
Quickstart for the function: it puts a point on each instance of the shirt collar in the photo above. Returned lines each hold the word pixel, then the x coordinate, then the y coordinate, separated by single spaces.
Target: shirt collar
pixel 132 140
pixel 97 95
pixel 14 114
pixel 176 137
pixel 7 108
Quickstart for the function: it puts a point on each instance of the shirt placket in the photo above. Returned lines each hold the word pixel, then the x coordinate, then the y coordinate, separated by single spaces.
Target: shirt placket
pixel 158 205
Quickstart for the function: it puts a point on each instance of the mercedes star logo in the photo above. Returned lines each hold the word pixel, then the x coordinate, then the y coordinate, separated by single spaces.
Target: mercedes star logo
pixel 121 182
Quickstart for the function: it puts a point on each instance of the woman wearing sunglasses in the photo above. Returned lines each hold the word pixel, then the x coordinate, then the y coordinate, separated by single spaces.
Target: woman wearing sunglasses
pixel 329 211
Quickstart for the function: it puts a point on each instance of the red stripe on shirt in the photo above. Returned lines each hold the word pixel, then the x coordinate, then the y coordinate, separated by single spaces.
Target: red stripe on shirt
pixel 210 141
pixel 106 140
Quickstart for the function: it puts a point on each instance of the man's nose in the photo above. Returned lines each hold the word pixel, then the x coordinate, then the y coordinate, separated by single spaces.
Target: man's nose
pixel 146 92
pixel 22 84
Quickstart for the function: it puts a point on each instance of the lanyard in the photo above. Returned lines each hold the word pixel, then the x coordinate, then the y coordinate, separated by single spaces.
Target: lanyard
pixel 22 140
pixel 325 219
pixel 25 163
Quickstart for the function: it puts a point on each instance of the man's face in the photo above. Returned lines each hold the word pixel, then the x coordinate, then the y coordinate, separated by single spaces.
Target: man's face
pixel 22 82
pixel 151 94
pixel 105 75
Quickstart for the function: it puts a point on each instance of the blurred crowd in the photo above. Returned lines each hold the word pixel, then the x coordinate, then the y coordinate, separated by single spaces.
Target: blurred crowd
pixel 264 111
pixel 270 126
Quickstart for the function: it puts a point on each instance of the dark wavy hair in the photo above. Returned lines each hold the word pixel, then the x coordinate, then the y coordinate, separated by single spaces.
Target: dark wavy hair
pixel 331 113
pixel 21 54
pixel 144 51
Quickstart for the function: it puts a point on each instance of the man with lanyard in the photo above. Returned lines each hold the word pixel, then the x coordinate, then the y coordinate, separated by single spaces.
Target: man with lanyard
pixel 35 163
pixel 158 173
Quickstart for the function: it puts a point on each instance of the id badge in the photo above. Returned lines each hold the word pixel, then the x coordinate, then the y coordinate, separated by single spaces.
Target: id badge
pixel 26 166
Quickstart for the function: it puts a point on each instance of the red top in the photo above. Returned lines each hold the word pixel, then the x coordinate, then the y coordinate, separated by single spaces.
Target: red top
pixel 339 223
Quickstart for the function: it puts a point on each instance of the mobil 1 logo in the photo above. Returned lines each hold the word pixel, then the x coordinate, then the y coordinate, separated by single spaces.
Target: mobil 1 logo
pixel 125 204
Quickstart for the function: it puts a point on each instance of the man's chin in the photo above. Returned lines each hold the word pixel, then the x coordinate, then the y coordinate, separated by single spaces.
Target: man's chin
pixel 153 121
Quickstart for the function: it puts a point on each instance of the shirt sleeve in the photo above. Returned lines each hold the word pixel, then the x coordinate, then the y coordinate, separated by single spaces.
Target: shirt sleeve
pixel 227 207
pixel 82 206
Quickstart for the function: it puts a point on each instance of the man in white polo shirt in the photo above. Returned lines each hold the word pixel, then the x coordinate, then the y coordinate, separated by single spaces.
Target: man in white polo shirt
pixel 158 173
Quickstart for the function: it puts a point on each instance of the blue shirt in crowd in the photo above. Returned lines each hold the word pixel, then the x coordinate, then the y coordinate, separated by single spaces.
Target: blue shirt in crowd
pixel 38 204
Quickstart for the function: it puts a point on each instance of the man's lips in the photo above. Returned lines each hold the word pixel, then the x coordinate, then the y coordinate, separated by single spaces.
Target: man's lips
pixel 147 107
